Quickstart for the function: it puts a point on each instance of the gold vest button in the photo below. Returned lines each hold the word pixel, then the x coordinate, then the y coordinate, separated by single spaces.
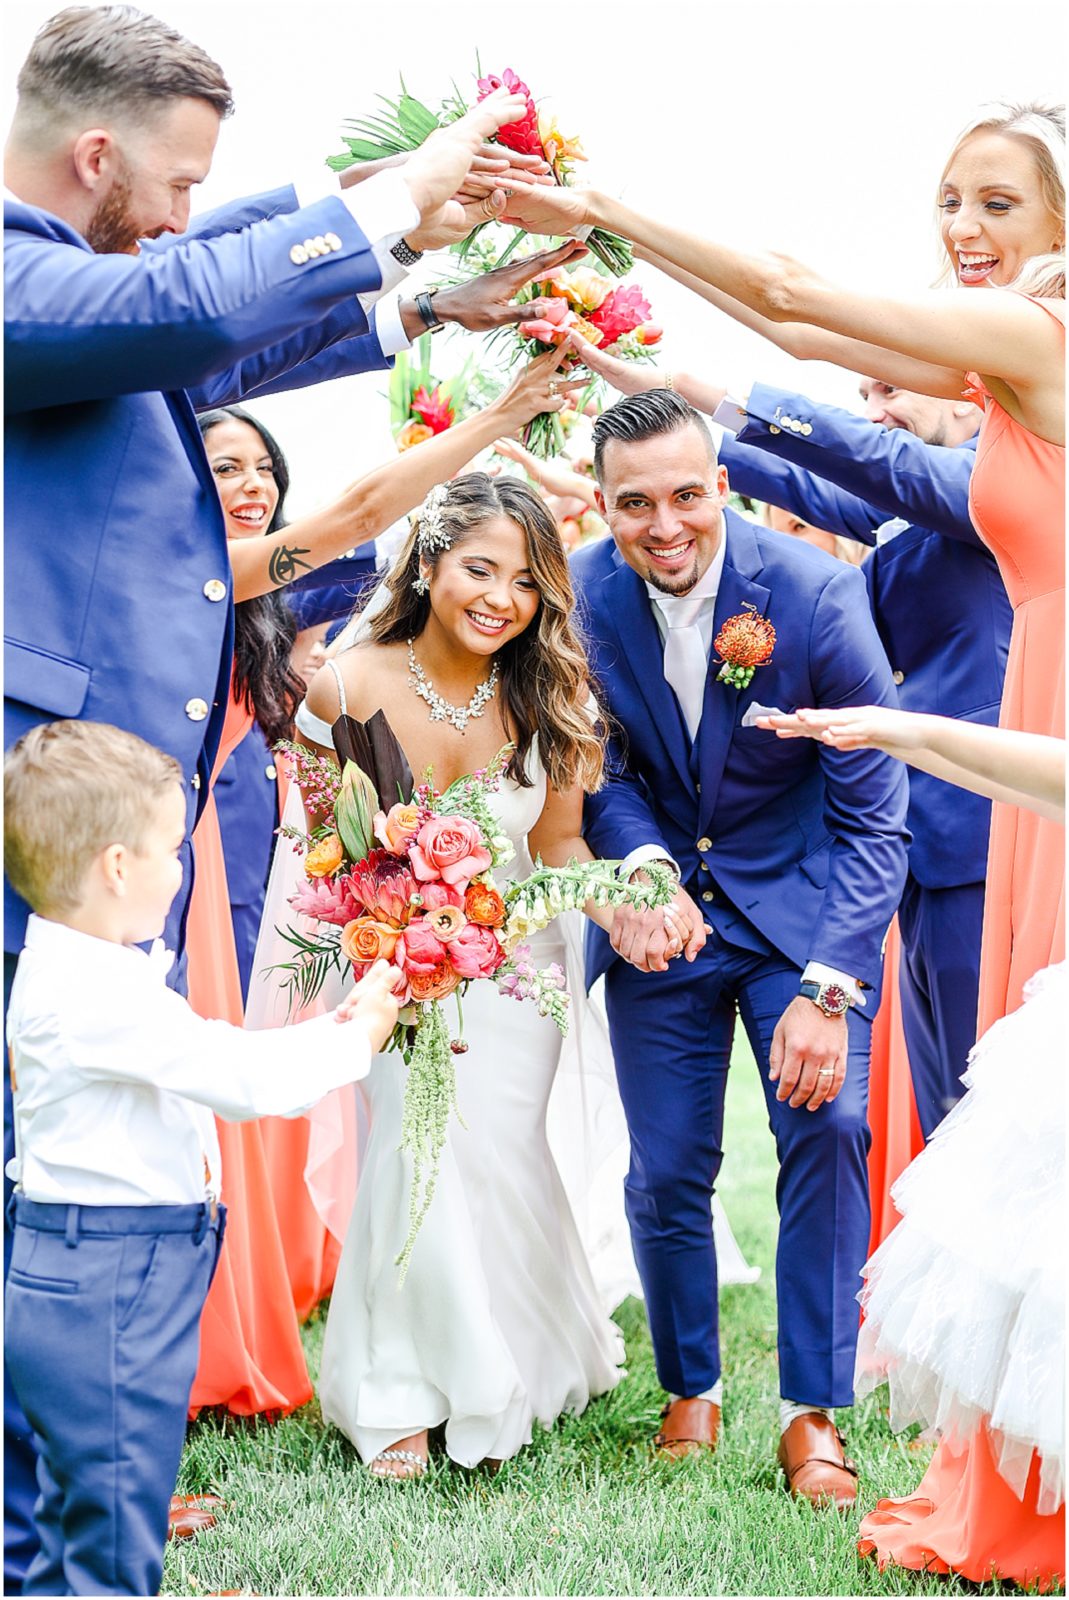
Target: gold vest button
pixel 707 894
pixel 215 589
pixel 195 781
pixel 899 677
pixel 705 844
pixel 196 710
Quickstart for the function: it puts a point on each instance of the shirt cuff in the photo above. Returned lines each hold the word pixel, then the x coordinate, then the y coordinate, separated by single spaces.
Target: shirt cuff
pixel 643 853
pixel 817 972
pixel 388 328
pixel 730 415
pixel 390 271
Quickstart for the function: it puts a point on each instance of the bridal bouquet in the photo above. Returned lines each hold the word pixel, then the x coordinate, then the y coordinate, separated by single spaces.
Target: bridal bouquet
pixel 410 881
pixel 406 122
pixel 420 406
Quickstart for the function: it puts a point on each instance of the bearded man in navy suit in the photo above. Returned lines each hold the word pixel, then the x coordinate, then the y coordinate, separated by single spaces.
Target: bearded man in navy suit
pixel 791 866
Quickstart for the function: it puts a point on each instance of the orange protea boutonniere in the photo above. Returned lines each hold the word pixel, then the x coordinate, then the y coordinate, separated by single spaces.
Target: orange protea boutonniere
pixel 743 644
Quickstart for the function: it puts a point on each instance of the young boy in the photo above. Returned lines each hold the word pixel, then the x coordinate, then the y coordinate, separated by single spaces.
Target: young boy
pixel 115 1078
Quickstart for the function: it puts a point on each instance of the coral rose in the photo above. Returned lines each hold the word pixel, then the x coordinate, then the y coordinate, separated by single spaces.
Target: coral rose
pixel 446 922
pixel 365 940
pixel 325 857
pixel 450 848
pixel 475 952
pixel 396 828
pixel 412 433
pixel 434 985
pixel 483 904
pixel 418 950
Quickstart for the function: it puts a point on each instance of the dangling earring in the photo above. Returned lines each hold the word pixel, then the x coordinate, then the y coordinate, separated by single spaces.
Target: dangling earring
pixel 421 584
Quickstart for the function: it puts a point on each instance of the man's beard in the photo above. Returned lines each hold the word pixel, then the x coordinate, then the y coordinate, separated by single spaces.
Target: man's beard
pixel 679 583
pixel 112 229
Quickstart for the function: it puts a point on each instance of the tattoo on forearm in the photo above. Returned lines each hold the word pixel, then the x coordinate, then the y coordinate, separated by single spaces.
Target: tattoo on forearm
pixel 282 567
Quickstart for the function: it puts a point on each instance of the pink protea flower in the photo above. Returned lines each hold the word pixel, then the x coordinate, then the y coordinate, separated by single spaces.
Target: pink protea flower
pixel 383 886
pixel 522 135
pixel 620 312
pixel 326 899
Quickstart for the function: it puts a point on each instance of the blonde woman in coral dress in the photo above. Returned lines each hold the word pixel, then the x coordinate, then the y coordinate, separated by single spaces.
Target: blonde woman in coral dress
pixel 1002 198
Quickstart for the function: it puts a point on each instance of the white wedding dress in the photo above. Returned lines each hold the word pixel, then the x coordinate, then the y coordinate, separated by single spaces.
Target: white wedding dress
pixel 498 1323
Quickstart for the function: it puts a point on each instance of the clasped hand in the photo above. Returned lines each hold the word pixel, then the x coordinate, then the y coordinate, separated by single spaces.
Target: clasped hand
pixel 650 939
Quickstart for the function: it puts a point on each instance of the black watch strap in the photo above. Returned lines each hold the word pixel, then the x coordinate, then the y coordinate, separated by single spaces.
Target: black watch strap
pixel 403 253
pixel 425 307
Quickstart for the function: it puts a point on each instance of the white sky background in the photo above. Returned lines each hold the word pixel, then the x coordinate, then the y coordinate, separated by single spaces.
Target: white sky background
pixel 818 129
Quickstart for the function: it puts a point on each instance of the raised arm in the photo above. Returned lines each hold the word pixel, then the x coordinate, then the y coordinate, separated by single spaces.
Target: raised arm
pixel 376 501
pixel 809 343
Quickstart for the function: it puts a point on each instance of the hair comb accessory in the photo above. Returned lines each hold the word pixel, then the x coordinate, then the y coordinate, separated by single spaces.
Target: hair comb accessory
pixel 432 533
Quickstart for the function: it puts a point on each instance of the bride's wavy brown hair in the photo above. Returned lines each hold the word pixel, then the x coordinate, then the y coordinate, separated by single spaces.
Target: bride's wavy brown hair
pixel 545 678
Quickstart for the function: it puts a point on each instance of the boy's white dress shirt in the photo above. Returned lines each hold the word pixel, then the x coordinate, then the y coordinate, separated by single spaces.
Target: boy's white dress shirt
pixel 116 1076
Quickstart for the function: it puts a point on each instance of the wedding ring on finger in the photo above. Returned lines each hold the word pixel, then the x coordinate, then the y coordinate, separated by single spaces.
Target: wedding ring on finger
pixel 825 1072
pixel 554 387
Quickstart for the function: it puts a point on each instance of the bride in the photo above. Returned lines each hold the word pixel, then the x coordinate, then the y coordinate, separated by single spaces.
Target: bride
pixel 498 1323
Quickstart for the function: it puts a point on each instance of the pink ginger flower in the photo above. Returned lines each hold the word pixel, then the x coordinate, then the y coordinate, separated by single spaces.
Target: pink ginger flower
pixel 620 312
pixel 523 135
pixel 326 899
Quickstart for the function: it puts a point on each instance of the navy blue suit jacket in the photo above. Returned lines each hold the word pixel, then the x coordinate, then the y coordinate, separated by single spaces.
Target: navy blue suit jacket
pixel 808 843
pixel 114 531
pixel 939 603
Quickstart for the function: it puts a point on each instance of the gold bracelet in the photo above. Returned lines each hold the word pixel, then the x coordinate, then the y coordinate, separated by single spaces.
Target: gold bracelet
pixel 669 382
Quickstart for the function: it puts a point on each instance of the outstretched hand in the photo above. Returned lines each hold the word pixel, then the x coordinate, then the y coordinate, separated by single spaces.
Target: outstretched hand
pixel 485 302
pixel 808 1056
pixel 373 1002
pixel 541 209
pixel 851 728
pixel 443 161
pixel 538 387
pixel 629 377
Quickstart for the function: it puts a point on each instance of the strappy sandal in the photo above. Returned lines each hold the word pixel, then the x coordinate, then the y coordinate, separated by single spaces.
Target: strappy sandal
pixel 415 1464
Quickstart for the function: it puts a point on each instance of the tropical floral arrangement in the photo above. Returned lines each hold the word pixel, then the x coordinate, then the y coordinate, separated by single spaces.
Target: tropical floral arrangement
pixel 410 881
pixel 579 302
pixel 403 124
pixel 420 405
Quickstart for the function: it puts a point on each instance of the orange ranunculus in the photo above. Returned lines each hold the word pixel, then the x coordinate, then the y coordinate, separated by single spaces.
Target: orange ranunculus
pixel 412 433
pixel 586 330
pixel 325 857
pixel 483 904
pixel 583 288
pixel 367 940
pixel 433 985
pixel 557 148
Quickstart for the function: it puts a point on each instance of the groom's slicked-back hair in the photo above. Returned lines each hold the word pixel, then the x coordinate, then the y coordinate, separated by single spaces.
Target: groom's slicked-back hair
pixel 644 416
pixel 101 61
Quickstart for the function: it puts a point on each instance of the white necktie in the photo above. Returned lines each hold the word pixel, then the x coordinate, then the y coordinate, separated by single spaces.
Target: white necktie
pixel 685 663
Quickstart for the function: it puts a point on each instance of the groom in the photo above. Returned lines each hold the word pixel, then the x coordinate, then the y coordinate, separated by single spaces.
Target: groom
pixel 791 859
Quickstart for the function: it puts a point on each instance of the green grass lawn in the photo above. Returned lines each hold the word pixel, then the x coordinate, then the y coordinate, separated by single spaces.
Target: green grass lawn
pixel 586 1510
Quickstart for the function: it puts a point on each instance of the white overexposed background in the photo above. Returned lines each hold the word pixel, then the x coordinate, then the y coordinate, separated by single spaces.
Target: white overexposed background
pixel 815 128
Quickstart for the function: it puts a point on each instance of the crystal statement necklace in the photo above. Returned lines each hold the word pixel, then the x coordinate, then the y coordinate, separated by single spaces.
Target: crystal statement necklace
pixel 443 710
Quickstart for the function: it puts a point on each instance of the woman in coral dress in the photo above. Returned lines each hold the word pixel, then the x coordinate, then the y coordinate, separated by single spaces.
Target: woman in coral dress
pixel 1002 198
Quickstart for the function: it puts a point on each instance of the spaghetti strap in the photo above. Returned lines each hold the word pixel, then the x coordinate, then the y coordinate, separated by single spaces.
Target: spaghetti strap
pixel 343 710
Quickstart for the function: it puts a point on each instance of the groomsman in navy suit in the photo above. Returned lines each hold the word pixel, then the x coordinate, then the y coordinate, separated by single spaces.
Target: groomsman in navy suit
pixel 118 591
pixel 791 864
pixel 898 479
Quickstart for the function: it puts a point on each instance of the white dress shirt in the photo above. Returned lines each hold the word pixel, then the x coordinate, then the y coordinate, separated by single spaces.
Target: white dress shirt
pixel 708 586
pixel 383 209
pixel 116 1077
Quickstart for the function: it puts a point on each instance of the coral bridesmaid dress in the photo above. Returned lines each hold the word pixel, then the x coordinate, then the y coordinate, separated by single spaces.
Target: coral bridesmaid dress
pixel 251 1358
pixel 1017 501
pixel 964 1516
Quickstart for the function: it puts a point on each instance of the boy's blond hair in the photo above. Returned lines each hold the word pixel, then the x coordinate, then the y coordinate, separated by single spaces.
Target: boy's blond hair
pixel 70 790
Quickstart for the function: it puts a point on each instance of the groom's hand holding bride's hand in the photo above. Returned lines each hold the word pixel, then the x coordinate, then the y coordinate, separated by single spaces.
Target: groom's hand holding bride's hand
pixel 373 1003
pixel 649 940
pixel 808 1056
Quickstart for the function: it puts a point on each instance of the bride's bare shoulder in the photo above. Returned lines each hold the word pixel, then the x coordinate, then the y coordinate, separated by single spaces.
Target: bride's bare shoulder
pixel 364 668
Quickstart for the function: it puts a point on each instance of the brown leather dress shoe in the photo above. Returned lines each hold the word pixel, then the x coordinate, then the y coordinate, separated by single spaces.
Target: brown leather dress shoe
pixel 814 1463
pixel 187 1521
pixel 689 1426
